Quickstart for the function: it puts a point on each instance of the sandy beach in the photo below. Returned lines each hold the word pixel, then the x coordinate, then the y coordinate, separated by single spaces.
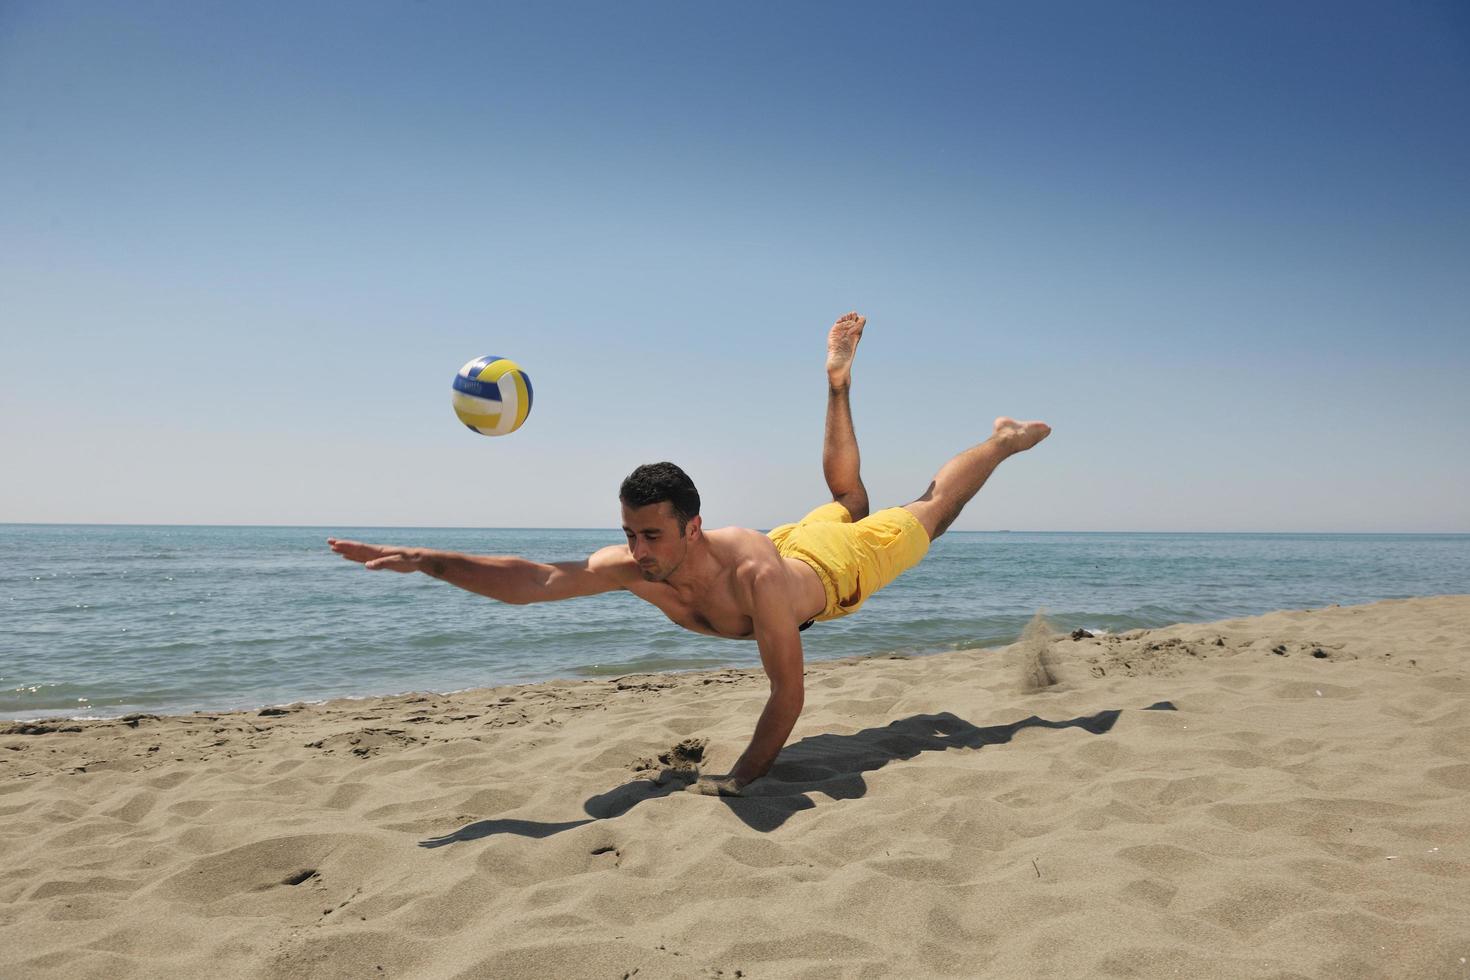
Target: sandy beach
pixel 1281 796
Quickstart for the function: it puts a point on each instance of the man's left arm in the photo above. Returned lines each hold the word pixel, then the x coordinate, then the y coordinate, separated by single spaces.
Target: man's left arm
pixel 778 635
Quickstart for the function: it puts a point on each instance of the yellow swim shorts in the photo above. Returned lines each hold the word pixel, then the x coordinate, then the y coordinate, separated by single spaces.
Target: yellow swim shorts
pixel 853 560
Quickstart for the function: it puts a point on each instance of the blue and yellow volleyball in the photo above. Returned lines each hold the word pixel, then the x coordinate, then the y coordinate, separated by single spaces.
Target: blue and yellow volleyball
pixel 492 395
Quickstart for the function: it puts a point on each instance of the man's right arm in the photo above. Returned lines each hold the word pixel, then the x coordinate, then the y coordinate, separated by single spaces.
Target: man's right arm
pixel 507 579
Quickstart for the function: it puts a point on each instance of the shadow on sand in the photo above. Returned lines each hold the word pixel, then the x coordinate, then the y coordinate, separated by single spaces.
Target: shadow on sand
pixel 832 765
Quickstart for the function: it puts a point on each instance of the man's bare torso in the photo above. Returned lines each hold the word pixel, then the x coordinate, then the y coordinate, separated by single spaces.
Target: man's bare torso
pixel 710 603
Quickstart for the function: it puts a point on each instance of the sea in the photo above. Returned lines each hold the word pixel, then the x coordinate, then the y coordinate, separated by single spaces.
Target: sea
pixel 102 621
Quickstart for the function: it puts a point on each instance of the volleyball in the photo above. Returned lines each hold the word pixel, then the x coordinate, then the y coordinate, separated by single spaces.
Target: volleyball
pixel 492 395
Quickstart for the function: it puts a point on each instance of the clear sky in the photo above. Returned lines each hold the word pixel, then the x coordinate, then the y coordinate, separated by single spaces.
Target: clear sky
pixel 1223 248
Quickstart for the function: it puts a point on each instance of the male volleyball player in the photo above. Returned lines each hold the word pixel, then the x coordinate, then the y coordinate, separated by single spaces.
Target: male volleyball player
pixel 738 583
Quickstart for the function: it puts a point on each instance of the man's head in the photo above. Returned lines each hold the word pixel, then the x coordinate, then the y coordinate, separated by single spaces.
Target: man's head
pixel 660 517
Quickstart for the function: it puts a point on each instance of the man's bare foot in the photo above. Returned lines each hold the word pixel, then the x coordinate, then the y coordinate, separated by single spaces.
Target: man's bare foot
pixel 841 346
pixel 1019 436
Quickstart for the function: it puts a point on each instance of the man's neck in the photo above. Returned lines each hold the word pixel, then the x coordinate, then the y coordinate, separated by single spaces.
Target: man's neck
pixel 699 568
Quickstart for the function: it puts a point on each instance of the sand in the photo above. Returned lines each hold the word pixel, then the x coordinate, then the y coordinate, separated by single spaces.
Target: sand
pixel 1280 796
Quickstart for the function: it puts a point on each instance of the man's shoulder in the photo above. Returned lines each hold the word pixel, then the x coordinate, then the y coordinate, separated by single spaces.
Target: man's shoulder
pixel 752 556
pixel 614 560
pixel 743 543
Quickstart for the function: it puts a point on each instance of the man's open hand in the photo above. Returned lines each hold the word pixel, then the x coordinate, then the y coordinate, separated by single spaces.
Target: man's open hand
pixel 377 556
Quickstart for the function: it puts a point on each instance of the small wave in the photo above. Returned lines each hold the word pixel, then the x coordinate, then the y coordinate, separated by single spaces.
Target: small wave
pixel 651 665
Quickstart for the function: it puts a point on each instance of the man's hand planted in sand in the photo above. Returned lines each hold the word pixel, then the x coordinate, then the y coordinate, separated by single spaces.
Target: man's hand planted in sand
pixel 378 557
pixel 715 786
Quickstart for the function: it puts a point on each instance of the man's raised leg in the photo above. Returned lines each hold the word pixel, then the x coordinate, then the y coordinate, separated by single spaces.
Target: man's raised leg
pixel 840 461
pixel 962 477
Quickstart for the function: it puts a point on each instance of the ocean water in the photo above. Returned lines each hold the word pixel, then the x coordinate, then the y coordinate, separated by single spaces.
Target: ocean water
pixel 99 621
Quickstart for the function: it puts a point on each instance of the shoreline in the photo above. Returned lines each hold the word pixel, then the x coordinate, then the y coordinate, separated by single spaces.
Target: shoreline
pixel 40 716
pixel 1264 796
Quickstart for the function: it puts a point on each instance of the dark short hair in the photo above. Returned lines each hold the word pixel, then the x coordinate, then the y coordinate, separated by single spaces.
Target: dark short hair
pixel 653 483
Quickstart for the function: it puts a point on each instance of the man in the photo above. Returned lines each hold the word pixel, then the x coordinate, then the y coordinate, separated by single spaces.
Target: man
pixel 739 583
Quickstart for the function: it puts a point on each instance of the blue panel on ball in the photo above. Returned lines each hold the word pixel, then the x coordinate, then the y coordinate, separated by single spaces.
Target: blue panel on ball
pixel 480 389
pixel 530 395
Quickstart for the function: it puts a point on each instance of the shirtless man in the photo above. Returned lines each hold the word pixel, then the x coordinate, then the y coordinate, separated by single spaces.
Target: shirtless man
pixel 738 583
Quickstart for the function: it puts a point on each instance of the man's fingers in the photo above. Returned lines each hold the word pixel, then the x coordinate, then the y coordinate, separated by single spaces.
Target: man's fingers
pixel 714 786
pixel 394 563
pixel 371 555
pixel 374 556
pixel 356 551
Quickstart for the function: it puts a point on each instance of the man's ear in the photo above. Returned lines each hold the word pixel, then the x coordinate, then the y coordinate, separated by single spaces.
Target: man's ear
pixel 693 528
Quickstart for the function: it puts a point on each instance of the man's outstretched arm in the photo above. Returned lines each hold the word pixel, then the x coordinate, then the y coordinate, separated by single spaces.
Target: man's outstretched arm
pixel 778 635
pixel 507 579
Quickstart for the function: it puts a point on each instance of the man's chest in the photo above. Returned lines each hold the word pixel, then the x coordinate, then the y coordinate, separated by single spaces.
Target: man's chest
pixel 714 611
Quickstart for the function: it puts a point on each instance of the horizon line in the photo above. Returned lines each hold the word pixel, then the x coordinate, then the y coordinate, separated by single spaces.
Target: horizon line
pixel 472 527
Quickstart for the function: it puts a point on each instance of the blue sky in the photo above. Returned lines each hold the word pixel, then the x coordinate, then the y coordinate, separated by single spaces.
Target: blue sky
pixel 1223 249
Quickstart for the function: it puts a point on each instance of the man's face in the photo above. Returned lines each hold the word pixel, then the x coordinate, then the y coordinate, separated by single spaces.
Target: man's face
pixel 654 539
